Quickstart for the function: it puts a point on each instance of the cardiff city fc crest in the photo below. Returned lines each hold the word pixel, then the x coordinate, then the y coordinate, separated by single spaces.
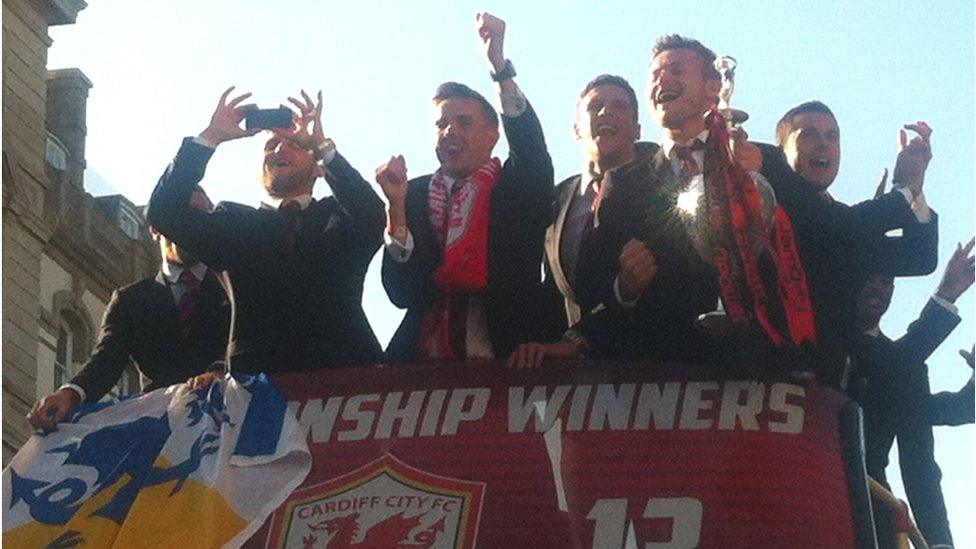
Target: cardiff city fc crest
pixel 383 504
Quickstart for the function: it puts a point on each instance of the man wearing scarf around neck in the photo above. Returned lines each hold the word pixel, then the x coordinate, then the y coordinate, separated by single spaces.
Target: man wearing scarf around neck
pixel 463 245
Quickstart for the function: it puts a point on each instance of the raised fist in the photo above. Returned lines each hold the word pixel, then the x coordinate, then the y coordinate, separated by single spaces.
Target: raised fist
pixel 492 32
pixel 637 270
pixel 392 178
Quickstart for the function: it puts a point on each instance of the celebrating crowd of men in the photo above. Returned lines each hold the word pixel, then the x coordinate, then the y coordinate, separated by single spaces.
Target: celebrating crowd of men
pixel 628 269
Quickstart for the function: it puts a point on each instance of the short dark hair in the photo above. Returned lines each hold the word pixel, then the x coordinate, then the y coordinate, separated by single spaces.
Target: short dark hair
pixel 678 42
pixel 196 189
pixel 612 80
pixel 456 90
pixel 785 125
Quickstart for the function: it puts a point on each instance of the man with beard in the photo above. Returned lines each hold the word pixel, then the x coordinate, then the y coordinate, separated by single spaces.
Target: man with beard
pixel 173 326
pixel 464 244
pixel 890 381
pixel 296 265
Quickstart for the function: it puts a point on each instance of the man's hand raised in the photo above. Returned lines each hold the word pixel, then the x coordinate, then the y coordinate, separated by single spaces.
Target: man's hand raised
pixel 968 356
pixel 307 132
pixel 392 178
pixel 225 124
pixel 492 32
pixel 747 154
pixel 959 273
pixel 913 157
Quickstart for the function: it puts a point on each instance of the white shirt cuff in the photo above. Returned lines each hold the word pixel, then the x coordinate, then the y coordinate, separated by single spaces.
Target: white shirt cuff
pixel 513 103
pixel 951 307
pixel 201 141
pixel 399 252
pixel 75 388
pixel 620 299
pixel 328 152
pixel 918 204
pixel 921 209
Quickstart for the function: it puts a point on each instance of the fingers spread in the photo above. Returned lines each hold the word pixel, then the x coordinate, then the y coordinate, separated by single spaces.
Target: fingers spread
pixel 237 100
pixel 224 96
pixel 301 106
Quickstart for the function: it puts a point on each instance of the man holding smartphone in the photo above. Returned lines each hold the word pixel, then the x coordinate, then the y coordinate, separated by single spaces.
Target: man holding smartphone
pixel 296 265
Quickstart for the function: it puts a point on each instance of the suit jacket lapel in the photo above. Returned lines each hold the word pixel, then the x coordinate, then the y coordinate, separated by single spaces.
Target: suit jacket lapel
pixel 163 308
pixel 554 237
pixel 661 163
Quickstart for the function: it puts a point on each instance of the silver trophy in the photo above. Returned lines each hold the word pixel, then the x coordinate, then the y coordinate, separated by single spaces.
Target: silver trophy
pixel 726 67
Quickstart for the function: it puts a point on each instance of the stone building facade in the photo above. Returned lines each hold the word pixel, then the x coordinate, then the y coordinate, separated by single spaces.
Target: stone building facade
pixel 63 250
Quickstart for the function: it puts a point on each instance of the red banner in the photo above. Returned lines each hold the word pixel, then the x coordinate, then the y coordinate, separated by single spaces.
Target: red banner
pixel 577 455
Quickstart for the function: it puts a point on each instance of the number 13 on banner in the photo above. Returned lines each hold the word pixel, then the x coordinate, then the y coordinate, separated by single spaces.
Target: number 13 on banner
pixel 612 528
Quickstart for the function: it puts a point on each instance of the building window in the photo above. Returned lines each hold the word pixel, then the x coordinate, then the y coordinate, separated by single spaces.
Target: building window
pixel 56 154
pixel 129 225
pixel 62 356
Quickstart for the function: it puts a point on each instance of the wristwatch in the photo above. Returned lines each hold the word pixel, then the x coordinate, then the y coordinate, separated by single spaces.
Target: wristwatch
pixel 576 337
pixel 506 73
pixel 323 149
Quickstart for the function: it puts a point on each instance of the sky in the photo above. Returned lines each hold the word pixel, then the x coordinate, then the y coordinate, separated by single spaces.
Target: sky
pixel 159 67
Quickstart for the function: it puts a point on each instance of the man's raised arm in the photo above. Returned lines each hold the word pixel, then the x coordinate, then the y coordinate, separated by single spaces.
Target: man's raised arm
pixel 526 142
pixel 353 193
pixel 201 233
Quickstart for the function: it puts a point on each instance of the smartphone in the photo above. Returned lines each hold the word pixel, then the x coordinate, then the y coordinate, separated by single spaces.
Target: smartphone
pixel 268 118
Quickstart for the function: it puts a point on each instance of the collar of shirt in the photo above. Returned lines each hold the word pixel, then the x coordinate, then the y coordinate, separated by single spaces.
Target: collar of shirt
pixel 669 144
pixel 453 184
pixel 272 203
pixel 589 175
pixel 173 271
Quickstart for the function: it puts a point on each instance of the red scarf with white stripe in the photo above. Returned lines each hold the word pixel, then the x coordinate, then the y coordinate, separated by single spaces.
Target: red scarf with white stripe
pixel 460 221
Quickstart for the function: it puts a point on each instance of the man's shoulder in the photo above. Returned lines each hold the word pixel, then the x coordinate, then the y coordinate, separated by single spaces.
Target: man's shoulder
pixel 138 290
pixel 568 182
pixel 234 207
pixel 140 285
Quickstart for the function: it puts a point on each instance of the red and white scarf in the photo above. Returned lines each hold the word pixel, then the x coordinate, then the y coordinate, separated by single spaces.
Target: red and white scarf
pixel 460 221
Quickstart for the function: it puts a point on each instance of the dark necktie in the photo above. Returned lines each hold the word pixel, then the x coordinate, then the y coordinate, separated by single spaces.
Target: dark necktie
pixel 188 301
pixel 292 212
pixel 685 152
pixel 596 187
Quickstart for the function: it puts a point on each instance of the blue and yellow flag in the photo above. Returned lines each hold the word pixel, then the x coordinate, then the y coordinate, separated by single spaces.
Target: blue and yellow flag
pixel 171 468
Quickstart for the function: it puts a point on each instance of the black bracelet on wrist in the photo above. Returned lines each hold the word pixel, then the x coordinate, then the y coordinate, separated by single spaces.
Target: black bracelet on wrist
pixel 506 73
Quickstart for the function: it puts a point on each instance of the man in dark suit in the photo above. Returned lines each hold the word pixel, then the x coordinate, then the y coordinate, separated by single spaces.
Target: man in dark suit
pixel 173 325
pixel 606 128
pixel 890 380
pixel 465 243
pixel 296 265
pixel 840 244
pixel 621 298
